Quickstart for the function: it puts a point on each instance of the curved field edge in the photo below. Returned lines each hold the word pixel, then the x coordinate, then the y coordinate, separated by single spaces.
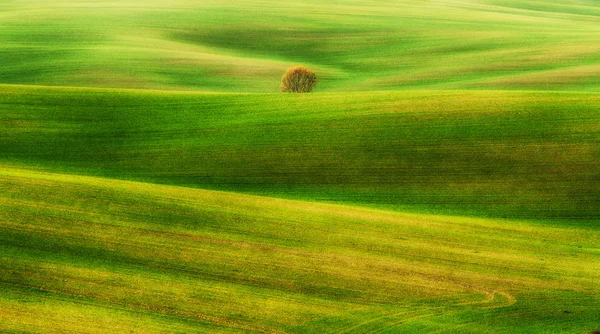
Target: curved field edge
pixel 533 155
pixel 86 254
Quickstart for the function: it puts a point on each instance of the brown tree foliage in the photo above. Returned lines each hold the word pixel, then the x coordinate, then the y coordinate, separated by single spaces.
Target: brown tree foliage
pixel 298 79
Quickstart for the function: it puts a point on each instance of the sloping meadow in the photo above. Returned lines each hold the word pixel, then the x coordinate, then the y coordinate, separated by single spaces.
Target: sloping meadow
pixel 245 46
pixel 503 154
pixel 92 255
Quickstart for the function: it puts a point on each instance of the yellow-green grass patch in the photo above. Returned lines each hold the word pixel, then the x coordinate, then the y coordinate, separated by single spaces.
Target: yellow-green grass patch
pixel 128 255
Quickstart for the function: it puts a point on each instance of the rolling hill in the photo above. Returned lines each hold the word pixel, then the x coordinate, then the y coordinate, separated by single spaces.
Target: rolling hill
pixel 496 154
pixel 245 46
pixel 93 255
pixel 444 177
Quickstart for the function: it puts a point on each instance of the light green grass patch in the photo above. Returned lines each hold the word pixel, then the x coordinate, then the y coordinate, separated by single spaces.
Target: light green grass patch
pixel 141 256
pixel 243 46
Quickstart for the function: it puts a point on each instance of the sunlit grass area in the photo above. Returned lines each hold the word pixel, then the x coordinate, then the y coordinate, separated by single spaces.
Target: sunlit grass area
pixel 499 154
pixel 83 254
pixel 245 46
pixel 443 176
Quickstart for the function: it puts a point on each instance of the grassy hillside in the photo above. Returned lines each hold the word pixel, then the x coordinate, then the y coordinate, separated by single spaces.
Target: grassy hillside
pixel 93 255
pixel 444 177
pixel 245 46
pixel 503 154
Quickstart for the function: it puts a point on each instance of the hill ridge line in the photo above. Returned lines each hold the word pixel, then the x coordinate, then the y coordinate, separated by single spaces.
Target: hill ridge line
pixel 350 92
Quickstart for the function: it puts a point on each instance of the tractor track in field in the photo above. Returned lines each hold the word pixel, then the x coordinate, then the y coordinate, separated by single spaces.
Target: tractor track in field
pixel 489 303
pixel 491 297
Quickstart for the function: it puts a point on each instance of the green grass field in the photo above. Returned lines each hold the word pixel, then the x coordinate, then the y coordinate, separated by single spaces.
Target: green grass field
pixel 488 153
pixel 443 178
pixel 245 46
pixel 89 254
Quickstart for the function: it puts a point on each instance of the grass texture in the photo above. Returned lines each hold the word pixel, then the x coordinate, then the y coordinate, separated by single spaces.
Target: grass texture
pixel 444 177
pixel 245 46
pixel 91 255
pixel 497 154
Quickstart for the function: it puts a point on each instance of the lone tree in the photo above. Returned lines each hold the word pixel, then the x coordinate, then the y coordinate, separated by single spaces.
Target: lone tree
pixel 298 79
